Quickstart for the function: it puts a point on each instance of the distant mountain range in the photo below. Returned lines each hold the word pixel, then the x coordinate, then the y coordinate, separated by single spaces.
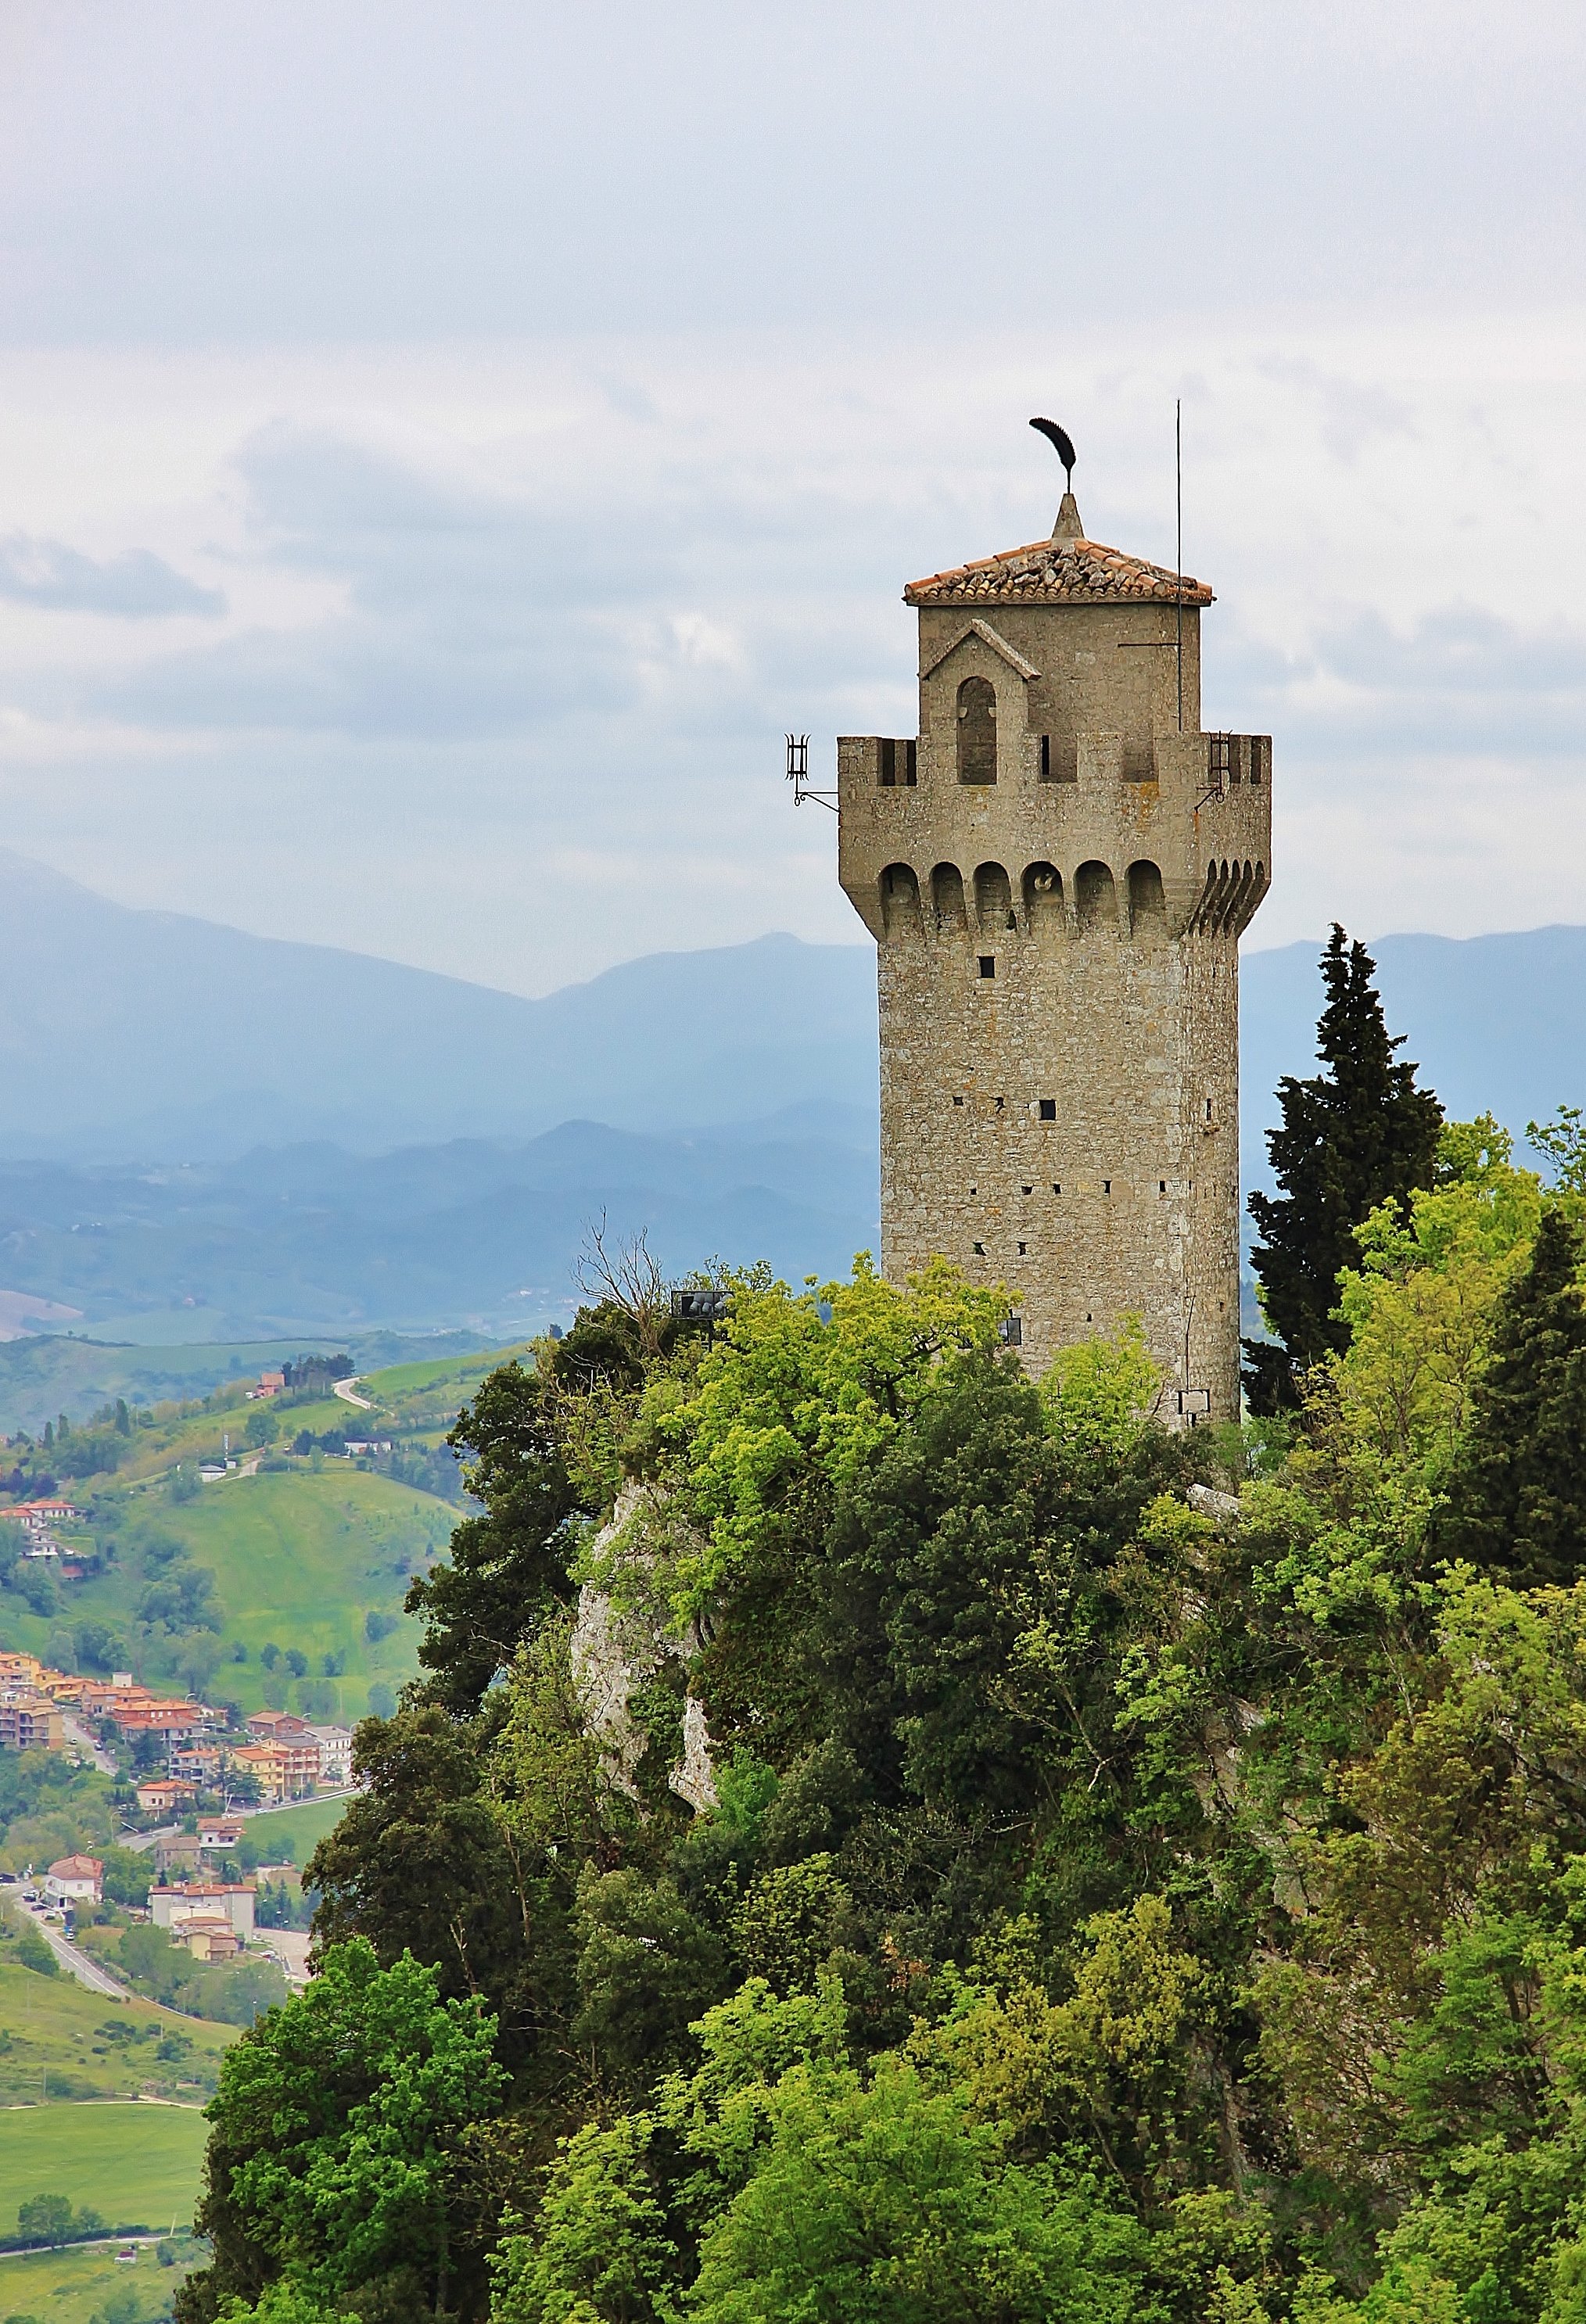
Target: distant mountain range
pixel 208 1135
pixel 484 1233
pixel 126 1035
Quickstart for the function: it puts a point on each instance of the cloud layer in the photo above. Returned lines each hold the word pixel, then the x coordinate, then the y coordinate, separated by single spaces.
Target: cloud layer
pixel 444 463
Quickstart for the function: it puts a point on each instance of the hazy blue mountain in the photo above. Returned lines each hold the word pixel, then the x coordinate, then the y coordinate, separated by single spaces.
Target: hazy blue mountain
pixel 482 1233
pixel 127 1034
pixel 211 1135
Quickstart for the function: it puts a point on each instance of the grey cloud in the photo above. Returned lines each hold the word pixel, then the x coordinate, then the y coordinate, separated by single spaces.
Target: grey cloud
pixel 321 502
pixel 1351 411
pixel 137 584
pixel 477 607
pixel 1459 648
pixel 353 677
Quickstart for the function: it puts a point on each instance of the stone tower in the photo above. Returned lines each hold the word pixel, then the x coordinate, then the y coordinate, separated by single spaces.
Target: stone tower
pixel 1056 871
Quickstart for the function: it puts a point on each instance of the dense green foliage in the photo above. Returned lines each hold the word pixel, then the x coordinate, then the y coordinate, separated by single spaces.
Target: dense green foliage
pixel 1356 1135
pixel 1134 1876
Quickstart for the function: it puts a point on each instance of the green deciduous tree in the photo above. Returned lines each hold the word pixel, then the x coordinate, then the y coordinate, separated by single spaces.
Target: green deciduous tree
pixel 337 2127
pixel 45 2218
pixel 1352 1136
pixel 33 1953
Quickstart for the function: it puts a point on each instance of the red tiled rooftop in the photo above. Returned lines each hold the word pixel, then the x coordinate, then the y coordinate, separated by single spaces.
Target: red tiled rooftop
pixel 1058 571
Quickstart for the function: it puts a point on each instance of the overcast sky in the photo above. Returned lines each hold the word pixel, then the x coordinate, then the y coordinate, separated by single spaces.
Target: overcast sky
pixel 442 448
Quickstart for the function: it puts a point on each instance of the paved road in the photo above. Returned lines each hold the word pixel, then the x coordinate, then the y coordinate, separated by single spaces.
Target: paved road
pixel 80 1735
pixel 72 1959
pixel 345 1389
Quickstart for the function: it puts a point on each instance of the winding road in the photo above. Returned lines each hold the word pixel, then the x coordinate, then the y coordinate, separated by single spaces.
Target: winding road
pixel 72 1958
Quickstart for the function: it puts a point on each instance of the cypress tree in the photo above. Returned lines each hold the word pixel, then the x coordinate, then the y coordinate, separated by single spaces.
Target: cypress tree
pixel 1518 1493
pixel 1351 1136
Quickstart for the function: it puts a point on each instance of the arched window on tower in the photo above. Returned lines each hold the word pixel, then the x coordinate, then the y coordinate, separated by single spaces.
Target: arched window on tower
pixel 977 731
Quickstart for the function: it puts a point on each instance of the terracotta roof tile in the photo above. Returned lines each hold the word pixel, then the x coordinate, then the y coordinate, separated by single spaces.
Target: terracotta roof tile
pixel 1058 572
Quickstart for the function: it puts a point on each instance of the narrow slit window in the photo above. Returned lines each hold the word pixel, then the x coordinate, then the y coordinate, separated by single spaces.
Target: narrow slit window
pixel 977 731
pixel 1048 1109
pixel 1046 758
pixel 1023 1248
pixel 980 1250
pixel 988 960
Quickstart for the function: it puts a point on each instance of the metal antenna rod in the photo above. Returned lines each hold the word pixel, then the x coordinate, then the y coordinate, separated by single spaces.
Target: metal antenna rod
pixel 1178 549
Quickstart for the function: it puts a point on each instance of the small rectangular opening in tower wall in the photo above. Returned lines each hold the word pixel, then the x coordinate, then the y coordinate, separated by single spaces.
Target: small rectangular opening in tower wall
pixel 1048 1109
pixel 1023 1249
pixel 980 1250
pixel 895 763
pixel 1106 1185
pixel 1059 758
pixel 988 964
pixel 958 1101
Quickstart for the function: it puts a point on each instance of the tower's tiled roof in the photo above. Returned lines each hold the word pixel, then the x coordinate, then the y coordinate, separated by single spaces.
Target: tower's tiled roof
pixel 1062 571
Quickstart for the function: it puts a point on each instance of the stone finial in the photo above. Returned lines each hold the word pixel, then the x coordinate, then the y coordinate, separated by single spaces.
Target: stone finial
pixel 1068 526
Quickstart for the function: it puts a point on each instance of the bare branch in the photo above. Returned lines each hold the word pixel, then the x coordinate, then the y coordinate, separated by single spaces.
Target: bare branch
pixel 624 1273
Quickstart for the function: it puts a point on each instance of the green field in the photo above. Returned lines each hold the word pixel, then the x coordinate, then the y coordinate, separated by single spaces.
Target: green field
pixel 132 2162
pixel 299 1559
pixel 70 2287
pixel 53 2042
pixel 292 1834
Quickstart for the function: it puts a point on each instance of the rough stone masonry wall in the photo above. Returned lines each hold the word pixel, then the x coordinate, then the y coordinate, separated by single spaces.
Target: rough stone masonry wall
pixel 1126 1199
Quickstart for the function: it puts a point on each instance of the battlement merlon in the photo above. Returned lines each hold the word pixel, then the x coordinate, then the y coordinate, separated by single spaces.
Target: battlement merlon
pixel 1201 812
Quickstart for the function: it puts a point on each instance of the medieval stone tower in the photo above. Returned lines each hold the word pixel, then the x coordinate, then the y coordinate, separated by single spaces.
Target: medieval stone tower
pixel 1056 871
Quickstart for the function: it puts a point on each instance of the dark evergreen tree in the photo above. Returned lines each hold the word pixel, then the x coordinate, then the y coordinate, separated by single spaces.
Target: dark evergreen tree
pixel 1517 1496
pixel 1350 1136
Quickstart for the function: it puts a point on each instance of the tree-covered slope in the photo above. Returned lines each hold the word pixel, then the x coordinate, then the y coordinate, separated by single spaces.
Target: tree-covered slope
pixel 923 1843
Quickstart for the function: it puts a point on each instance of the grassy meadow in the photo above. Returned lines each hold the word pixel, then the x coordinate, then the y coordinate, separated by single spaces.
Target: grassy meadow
pixel 72 2287
pixel 59 2041
pixel 299 1559
pixel 301 1554
pixel 290 1835
pixel 136 2162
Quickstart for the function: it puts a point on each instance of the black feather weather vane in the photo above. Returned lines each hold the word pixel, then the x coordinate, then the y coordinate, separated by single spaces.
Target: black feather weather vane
pixel 1062 443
